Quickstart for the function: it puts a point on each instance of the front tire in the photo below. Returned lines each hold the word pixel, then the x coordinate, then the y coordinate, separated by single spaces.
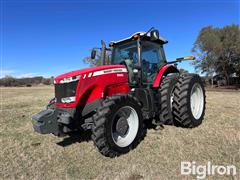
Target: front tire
pixel 118 125
pixel 189 101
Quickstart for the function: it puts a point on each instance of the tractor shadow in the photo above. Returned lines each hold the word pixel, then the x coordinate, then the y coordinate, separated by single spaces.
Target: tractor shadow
pixel 85 136
pixel 150 125
pixel 75 137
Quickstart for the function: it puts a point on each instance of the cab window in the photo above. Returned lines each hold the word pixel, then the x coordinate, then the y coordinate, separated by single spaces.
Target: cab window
pixel 125 51
pixel 126 54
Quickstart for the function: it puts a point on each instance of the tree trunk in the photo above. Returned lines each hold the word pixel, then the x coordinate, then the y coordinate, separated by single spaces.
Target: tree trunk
pixel 227 78
pixel 212 81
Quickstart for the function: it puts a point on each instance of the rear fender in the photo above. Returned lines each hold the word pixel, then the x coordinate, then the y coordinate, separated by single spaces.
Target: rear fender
pixel 164 71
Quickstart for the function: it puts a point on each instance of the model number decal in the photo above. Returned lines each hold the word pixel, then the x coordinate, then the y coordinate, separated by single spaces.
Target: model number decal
pixel 120 75
pixel 109 71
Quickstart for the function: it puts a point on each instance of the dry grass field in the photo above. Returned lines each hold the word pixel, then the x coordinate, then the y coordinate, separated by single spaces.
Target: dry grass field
pixel 25 154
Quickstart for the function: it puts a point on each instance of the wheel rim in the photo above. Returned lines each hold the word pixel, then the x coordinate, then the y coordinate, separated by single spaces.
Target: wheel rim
pixel 197 101
pixel 171 98
pixel 125 126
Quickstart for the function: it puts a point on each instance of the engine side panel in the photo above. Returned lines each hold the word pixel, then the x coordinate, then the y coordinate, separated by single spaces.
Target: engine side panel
pixel 98 85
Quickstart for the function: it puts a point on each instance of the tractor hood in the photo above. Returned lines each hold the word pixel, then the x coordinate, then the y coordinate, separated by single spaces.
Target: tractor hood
pixel 86 71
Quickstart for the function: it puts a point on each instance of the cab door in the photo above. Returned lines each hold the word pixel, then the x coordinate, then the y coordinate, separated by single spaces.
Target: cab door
pixel 152 56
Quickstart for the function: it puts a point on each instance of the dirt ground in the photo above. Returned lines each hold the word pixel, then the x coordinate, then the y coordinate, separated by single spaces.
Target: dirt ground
pixel 25 154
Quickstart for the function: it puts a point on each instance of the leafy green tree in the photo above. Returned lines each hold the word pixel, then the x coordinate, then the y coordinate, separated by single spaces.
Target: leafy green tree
pixel 230 39
pixel 218 51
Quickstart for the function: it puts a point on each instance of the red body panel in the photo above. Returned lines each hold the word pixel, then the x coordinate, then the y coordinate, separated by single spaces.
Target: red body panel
pixel 163 71
pixel 96 83
pixel 117 88
pixel 99 82
pixel 86 70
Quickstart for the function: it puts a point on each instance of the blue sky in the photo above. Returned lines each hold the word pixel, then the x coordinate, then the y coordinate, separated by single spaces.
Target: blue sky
pixel 52 37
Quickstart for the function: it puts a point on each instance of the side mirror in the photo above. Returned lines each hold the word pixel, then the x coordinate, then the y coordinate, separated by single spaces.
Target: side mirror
pixel 93 54
pixel 154 35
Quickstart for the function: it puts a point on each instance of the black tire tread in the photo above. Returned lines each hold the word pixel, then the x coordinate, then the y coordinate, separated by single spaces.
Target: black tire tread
pixel 98 129
pixel 180 101
pixel 165 111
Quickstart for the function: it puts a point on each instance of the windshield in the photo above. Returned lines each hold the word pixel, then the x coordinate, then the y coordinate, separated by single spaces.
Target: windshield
pixel 126 51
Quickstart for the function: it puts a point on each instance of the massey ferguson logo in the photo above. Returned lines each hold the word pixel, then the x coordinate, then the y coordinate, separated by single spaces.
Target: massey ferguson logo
pixel 107 71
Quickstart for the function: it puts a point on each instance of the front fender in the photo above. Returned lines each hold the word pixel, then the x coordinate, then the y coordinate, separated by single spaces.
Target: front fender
pixel 165 70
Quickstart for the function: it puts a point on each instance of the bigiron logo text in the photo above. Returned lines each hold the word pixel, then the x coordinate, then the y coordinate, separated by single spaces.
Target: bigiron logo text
pixel 201 171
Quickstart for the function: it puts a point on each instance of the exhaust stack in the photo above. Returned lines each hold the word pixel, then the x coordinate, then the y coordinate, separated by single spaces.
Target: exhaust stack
pixel 103 52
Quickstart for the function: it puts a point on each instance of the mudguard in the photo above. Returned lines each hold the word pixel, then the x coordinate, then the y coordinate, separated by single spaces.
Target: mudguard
pixel 167 69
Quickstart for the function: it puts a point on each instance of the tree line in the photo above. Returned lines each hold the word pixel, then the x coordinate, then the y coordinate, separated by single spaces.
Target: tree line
pixel 9 81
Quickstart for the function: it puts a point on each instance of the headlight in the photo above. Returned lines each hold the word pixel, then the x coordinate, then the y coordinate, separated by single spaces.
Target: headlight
pixel 70 79
pixel 68 99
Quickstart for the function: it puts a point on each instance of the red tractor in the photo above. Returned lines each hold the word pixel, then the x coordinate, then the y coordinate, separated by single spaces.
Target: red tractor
pixel 119 98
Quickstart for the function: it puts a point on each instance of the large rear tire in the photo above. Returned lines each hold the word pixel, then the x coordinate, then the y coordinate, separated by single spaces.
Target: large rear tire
pixel 189 101
pixel 118 125
pixel 166 89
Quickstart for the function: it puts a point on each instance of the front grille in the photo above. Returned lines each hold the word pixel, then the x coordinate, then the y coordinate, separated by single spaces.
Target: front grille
pixel 65 90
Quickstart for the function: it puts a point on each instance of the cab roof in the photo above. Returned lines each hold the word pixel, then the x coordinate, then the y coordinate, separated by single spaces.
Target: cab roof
pixel 161 40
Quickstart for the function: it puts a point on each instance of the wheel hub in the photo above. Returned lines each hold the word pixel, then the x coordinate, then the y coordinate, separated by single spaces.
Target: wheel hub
pixel 122 126
pixel 125 126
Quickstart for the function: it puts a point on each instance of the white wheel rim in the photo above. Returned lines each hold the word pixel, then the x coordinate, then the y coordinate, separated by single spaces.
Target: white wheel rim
pixel 133 124
pixel 171 99
pixel 197 101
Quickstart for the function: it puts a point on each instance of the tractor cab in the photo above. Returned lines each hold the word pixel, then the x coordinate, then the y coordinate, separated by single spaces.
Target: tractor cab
pixel 143 55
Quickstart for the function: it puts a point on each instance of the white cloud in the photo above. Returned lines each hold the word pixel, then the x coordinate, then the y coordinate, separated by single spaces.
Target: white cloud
pixel 18 74
pixel 27 75
pixel 4 72
pixel 13 73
